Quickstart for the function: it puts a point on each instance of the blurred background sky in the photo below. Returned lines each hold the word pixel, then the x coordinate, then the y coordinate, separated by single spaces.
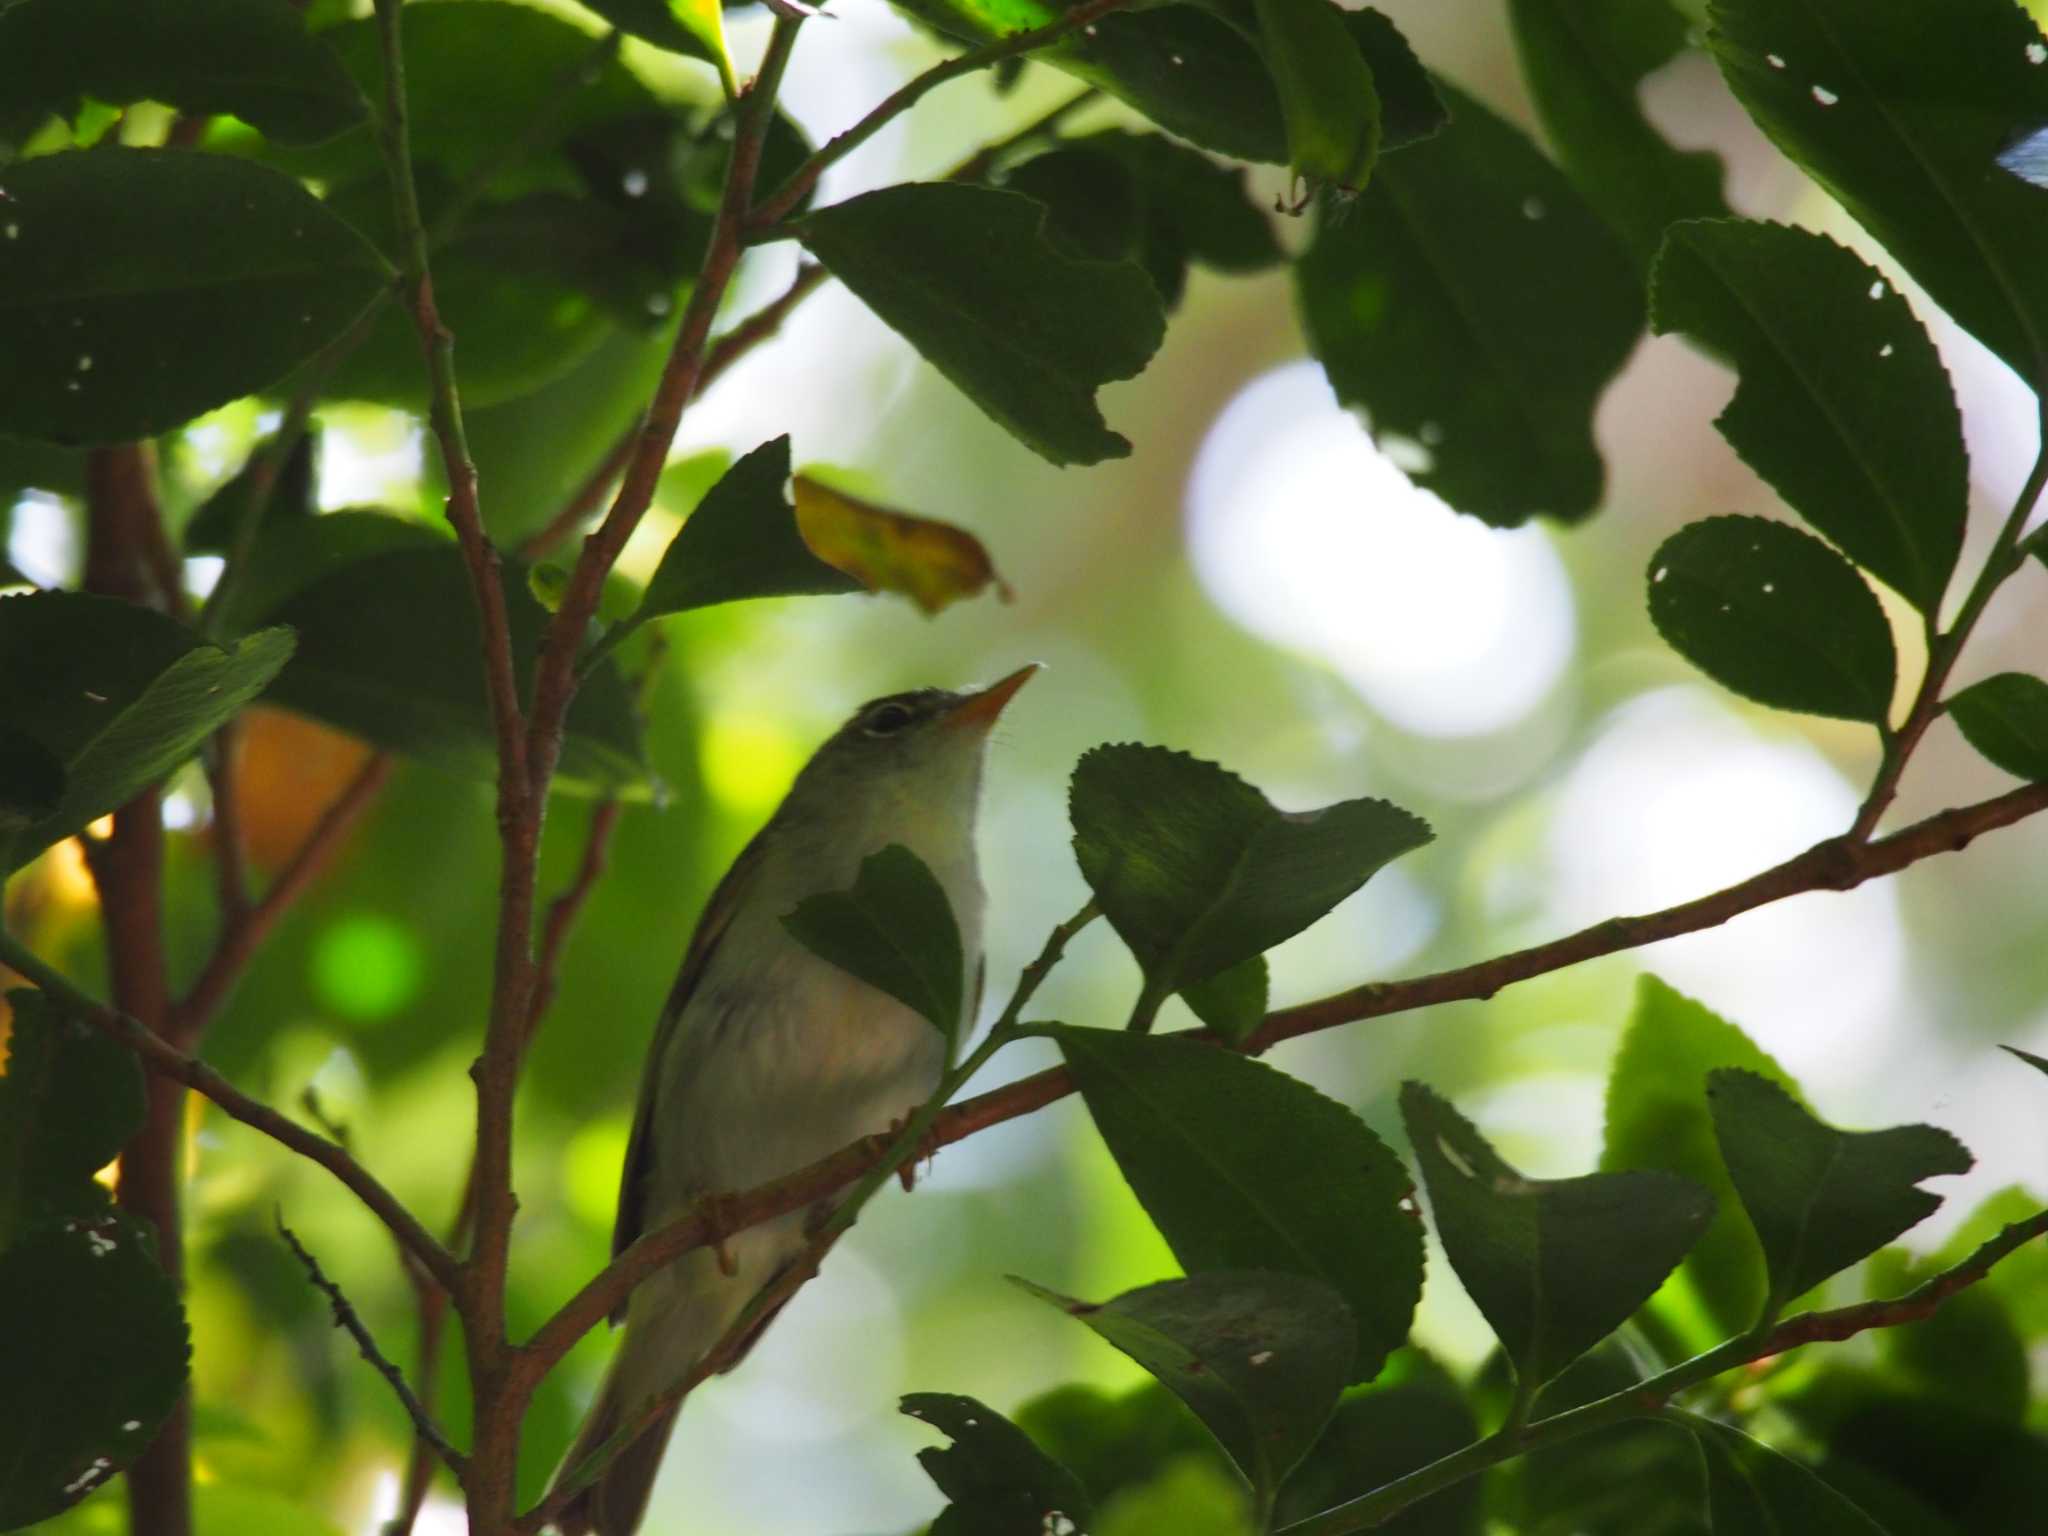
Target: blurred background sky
pixel 1256 584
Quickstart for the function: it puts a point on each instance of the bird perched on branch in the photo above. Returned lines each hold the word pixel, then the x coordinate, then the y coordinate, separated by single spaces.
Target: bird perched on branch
pixel 768 1057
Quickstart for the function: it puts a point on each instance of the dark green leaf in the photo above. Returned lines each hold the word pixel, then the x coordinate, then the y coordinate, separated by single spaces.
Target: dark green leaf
pixel 117 694
pixel 1969 1352
pixel 92 1358
pixel 249 58
pixel 1243 1167
pixel 1412 1416
pixel 413 680
pixel 1259 1356
pixel 1843 403
pixel 294 494
pixel 1753 1490
pixel 1585 61
pixel 692 27
pixel 69 1099
pixel 1197 871
pixel 140 287
pixel 1326 91
pixel 1819 1198
pixel 1776 615
pixel 894 930
pixel 969 278
pixel 1555 1265
pixel 1472 303
pixel 742 541
pixel 1000 1484
pixel 2006 718
pixel 1410 108
pixel 1657 1118
pixel 2039 1063
pixel 292 554
pixel 31 784
pixel 1232 1002
pixel 1900 109
pixel 1115 1441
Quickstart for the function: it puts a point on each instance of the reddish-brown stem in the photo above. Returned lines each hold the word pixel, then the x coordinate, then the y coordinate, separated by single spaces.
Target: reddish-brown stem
pixel 241 937
pixel 565 908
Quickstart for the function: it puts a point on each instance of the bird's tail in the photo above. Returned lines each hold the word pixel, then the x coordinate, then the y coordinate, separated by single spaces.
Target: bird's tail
pixel 615 1503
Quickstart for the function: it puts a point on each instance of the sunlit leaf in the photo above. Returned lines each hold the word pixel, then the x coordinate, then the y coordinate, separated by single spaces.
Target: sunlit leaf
pixel 1474 307
pixel 999 1483
pixel 1900 110
pixel 1775 615
pixel 931 563
pixel 1819 1198
pixel 2006 718
pixel 143 286
pixel 1326 91
pixel 1585 62
pixel 1243 1167
pixel 1259 1356
pixel 250 58
pixel 1657 1118
pixel 895 930
pixel 69 1099
pixel 693 27
pixel 1232 1002
pixel 1197 871
pixel 118 695
pixel 1843 404
pixel 1555 1265
pixel 1753 1490
pixel 969 278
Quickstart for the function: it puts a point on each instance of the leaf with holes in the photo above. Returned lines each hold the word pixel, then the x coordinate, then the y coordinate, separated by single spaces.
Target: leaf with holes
pixel 1843 404
pixel 969 278
pixel 139 287
pixel 1244 1167
pixel 1775 615
pixel 1554 1265
pixel 1258 1355
pixel 2006 718
pixel 998 1482
pixel 894 930
pixel 1586 61
pixel 1474 307
pixel 1900 109
pixel 1197 871
pixel 1819 1198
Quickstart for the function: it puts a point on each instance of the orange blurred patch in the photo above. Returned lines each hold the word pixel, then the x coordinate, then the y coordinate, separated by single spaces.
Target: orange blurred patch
pixel 291 770
pixel 930 563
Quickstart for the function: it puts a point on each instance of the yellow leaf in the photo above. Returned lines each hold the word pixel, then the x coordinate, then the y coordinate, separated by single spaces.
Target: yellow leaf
pixel 930 563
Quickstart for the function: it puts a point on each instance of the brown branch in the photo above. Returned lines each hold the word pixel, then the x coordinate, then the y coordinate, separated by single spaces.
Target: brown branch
pixel 567 907
pixel 350 1321
pixel 244 935
pixel 1837 864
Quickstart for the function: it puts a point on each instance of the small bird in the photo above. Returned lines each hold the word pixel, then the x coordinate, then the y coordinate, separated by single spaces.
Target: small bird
pixel 767 1057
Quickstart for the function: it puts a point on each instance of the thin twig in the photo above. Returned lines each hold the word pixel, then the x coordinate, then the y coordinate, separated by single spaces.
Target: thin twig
pixel 230 848
pixel 585 500
pixel 778 204
pixel 565 908
pixel 347 1319
pixel 243 936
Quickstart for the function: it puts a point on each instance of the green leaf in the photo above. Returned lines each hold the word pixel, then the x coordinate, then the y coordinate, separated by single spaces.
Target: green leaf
pixel 1969 1353
pixel 1410 108
pixel 94 1350
pixel 1900 109
pixel 1232 1002
pixel 293 553
pixel 1585 62
pixel 1470 302
pixel 2006 718
pixel 1243 1167
pixel 294 494
pixel 1843 404
pixel 1657 1118
pixel 695 28
pixel 139 287
pixel 413 680
pixel 999 1483
pixel 1197 871
pixel 969 278
pixel 1113 1441
pixel 69 1099
pixel 2039 1063
pixel 1326 91
pixel 1414 1415
pixel 1554 1265
pixel 31 783
pixel 894 930
pixel 1819 1198
pixel 1753 1490
pixel 1775 615
pixel 1259 1356
pixel 118 695
pixel 248 58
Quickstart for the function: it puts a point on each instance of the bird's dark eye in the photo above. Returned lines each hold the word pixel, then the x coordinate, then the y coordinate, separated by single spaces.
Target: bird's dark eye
pixel 886 719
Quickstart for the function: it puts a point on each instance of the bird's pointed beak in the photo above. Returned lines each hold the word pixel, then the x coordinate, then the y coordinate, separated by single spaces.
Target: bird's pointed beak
pixel 980 709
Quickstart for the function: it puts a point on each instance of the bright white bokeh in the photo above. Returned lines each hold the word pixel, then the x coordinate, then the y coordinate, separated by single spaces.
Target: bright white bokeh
pixel 1310 537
